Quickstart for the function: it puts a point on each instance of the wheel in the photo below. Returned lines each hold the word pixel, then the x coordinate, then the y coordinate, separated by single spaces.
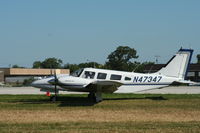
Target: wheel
pixel 91 95
pixel 97 100
pixel 53 98
pixel 95 97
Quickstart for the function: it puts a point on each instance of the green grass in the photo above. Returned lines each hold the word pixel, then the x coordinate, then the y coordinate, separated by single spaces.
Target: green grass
pixel 112 101
pixel 117 113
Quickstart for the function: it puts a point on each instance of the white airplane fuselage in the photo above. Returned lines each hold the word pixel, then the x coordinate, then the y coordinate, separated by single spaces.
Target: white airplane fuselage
pixel 130 82
pixel 110 81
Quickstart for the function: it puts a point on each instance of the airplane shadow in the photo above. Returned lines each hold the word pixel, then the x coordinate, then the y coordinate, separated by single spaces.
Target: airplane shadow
pixel 75 101
pixel 151 98
pixel 64 101
pixel 84 101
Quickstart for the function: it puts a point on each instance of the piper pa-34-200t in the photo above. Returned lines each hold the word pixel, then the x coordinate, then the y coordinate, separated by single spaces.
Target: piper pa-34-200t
pixel 98 81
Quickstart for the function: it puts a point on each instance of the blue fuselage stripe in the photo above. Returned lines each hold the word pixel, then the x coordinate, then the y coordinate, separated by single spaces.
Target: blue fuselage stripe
pixel 143 84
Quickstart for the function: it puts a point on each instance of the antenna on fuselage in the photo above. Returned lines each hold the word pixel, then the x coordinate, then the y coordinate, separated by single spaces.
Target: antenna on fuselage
pixel 157 56
pixel 137 65
pixel 150 68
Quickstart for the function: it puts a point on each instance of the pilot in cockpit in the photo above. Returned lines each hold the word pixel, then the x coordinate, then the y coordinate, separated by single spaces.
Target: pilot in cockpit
pixel 89 75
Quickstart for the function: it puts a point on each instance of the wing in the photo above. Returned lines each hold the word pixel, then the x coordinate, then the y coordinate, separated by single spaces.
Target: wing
pixel 104 86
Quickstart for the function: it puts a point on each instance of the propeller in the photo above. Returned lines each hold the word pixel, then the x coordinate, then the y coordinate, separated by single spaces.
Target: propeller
pixel 56 82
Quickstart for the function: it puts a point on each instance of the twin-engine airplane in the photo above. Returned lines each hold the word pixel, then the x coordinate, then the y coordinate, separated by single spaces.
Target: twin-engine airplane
pixel 98 81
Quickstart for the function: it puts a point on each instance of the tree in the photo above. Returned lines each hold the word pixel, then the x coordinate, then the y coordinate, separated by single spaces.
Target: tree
pixel 48 63
pixel 89 64
pixel 72 67
pixel 141 66
pixel 52 63
pixel 27 82
pixel 120 59
pixel 198 58
pixel 37 64
pixel 16 66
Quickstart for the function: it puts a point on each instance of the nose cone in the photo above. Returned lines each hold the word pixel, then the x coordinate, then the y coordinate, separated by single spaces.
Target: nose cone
pixel 35 83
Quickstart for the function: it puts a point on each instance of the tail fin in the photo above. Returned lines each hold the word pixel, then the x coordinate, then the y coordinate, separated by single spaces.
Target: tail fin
pixel 178 65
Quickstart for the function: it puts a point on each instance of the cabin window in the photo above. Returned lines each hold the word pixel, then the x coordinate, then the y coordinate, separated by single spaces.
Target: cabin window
pixel 89 75
pixel 127 78
pixel 101 76
pixel 115 77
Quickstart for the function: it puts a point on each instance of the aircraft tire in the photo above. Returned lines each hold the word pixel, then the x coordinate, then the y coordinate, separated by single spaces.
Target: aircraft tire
pixel 91 95
pixel 53 98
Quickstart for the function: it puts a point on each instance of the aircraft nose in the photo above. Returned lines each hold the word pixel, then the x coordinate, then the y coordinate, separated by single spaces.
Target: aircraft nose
pixel 35 83
pixel 52 81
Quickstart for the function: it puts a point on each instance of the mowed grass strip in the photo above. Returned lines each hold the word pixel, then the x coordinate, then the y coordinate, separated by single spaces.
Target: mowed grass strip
pixel 117 113
pixel 106 127
pixel 99 115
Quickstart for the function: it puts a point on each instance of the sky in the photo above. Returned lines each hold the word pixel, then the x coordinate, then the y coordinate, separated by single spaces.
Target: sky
pixel 77 31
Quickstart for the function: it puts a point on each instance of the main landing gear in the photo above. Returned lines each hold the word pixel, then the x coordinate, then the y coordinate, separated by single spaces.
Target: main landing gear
pixel 96 97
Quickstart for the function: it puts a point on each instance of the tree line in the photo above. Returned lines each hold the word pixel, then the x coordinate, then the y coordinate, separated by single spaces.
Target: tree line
pixel 120 59
pixel 123 59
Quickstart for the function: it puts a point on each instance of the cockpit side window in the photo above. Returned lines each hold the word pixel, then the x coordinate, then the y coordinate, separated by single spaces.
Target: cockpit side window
pixel 89 75
pixel 77 73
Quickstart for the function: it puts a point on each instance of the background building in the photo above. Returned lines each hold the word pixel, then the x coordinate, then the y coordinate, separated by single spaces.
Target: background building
pixel 13 75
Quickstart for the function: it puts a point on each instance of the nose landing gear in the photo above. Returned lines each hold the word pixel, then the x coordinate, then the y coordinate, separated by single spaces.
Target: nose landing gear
pixel 53 98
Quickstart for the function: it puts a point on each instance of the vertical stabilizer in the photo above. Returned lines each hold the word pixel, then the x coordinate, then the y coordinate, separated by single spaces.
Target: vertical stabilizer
pixel 178 65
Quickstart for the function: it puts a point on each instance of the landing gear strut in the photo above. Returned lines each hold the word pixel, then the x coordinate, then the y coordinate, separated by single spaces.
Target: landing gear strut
pixel 96 97
pixel 91 95
pixel 54 98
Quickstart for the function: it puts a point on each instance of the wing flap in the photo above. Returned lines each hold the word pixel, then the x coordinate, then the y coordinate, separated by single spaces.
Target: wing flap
pixel 187 82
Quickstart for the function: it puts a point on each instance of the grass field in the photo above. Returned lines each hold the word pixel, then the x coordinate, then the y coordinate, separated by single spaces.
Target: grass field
pixel 117 113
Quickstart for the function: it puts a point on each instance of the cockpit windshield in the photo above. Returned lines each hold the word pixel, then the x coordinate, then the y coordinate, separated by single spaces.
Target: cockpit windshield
pixel 77 73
